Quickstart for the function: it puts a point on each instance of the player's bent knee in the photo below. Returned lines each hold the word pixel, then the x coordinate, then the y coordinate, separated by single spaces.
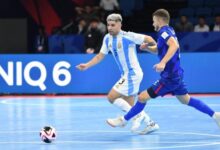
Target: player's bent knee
pixel 183 101
pixel 143 97
pixel 110 98
pixel 151 93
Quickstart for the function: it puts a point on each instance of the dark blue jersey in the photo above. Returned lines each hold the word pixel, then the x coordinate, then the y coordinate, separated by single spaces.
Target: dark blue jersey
pixel 173 68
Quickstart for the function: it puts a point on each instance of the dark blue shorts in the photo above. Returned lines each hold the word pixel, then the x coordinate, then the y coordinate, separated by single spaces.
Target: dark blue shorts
pixel 174 86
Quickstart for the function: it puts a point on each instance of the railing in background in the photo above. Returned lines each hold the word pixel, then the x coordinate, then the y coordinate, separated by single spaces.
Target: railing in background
pixel 66 44
pixel 189 42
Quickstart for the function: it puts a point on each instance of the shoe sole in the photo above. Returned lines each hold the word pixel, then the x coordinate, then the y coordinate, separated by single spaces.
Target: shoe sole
pixel 154 130
pixel 144 133
pixel 110 124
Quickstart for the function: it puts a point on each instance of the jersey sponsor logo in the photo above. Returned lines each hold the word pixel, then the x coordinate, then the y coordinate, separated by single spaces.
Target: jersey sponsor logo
pixel 164 35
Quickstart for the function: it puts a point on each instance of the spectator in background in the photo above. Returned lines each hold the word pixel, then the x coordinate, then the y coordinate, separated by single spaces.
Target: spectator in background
pixel 93 38
pixel 41 42
pixel 76 27
pixel 184 25
pixel 81 27
pixel 201 26
pixel 101 26
pixel 217 24
pixel 109 6
pixel 88 12
pixel 79 12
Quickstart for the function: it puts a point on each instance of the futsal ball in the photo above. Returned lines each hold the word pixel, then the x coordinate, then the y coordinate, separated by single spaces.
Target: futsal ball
pixel 48 134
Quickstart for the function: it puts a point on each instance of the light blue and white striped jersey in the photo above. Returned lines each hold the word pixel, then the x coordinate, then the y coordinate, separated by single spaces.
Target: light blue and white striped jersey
pixel 123 48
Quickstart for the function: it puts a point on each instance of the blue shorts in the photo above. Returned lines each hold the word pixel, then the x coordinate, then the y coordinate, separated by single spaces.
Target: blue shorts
pixel 174 86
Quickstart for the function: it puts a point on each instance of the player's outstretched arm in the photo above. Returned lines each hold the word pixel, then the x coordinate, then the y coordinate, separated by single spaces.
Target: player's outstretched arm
pixel 149 45
pixel 95 60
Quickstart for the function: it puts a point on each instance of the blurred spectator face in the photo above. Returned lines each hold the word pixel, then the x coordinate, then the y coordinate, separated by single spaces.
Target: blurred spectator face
pixel 79 10
pixel 113 27
pixel 94 24
pixel 82 23
pixel 201 21
pixel 88 9
pixel 217 20
pixel 183 19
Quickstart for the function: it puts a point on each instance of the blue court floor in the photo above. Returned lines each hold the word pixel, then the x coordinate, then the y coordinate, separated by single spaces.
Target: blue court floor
pixel 80 124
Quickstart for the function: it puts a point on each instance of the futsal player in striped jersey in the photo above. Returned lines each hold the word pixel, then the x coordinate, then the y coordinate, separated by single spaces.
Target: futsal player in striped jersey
pixel 171 72
pixel 122 45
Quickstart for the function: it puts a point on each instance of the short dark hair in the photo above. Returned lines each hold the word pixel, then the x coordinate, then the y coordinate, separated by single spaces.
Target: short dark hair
pixel 163 13
pixel 95 19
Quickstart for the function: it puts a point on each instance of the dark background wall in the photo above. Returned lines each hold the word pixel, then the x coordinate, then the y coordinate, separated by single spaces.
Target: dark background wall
pixel 13 36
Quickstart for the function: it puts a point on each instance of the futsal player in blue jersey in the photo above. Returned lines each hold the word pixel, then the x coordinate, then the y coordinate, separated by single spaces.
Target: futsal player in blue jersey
pixel 171 72
pixel 122 45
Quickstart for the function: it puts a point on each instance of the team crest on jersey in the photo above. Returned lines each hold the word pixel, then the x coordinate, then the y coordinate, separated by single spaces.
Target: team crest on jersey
pixel 119 45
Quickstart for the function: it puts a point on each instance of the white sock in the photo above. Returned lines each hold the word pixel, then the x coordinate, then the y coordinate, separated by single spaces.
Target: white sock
pixel 122 104
pixel 147 117
pixel 214 116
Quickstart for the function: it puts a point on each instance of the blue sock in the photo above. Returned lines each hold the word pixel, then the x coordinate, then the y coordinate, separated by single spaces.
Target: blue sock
pixel 136 109
pixel 199 105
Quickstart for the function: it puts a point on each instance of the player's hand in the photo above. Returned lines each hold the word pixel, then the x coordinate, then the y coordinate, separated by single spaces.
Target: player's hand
pixel 159 67
pixel 82 67
pixel 90 51
pixel 143 46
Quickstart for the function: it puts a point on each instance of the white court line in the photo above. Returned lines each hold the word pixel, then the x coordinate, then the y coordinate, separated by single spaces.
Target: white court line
pixel 11 101
pixel 130 148
pixel 169 147
pixel 109 142
pixel 6 102
pixel 66 131
pixel 104 131
pixel 185 144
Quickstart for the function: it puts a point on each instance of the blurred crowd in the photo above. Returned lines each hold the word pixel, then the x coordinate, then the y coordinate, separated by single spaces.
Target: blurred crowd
pixel 89 22
pixel 185 25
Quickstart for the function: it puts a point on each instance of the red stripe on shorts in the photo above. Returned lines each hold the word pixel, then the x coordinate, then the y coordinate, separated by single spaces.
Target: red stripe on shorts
pixel 158 89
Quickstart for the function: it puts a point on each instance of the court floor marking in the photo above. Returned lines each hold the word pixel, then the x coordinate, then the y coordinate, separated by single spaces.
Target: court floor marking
pixel 104 131
pixel 169 147
pixel 91 96
pixel 92 105
pixel 9 102
pixel 189 143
